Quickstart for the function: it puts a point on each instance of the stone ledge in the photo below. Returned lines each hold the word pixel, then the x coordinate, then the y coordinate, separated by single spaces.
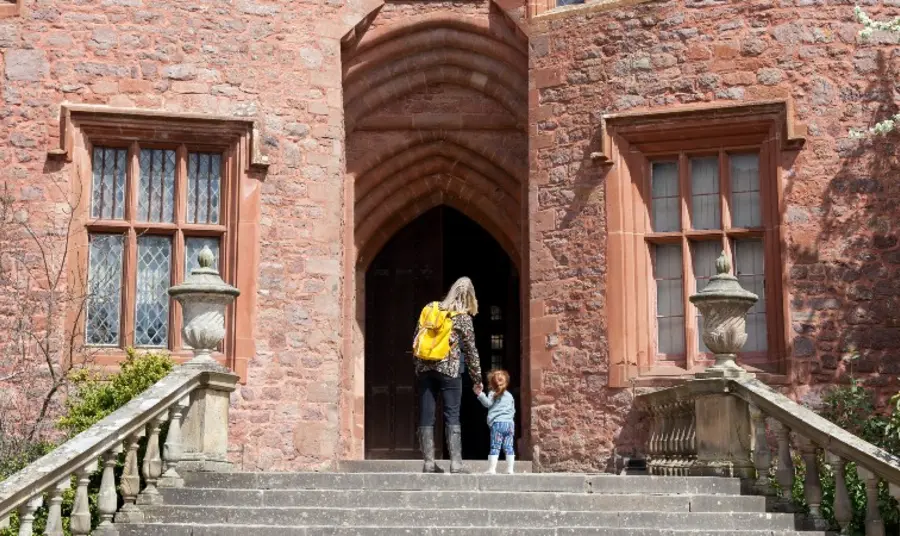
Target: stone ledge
pixel 147 124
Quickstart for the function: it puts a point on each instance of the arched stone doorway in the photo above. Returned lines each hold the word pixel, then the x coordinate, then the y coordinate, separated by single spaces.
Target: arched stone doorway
pixel 436 113
pixel 416 266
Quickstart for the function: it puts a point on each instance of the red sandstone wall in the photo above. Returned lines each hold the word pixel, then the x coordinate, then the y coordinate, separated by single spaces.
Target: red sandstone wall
pixel 278 61
pixel 841 199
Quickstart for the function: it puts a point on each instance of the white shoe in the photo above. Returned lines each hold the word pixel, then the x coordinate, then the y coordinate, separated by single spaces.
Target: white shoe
pixel 492 465
pixel 510 464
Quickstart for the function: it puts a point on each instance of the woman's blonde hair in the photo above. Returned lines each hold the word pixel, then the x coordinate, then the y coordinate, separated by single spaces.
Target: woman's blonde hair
pixel 461 298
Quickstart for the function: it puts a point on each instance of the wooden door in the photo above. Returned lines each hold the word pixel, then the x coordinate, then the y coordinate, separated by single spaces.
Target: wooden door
pixel 404 277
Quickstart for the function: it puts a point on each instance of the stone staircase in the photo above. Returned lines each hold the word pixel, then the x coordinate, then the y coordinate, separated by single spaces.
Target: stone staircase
pixel 356 502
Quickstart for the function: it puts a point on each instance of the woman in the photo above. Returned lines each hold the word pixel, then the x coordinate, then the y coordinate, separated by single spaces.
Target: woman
pixel 445 376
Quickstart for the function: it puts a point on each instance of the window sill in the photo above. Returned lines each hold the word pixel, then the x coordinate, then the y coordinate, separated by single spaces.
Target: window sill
pixel 663 380
pixel 10 9
pixel 582 9
pixel 113 357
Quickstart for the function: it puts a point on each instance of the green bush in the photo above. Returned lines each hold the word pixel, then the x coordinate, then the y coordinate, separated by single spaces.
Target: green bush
pixel 94 397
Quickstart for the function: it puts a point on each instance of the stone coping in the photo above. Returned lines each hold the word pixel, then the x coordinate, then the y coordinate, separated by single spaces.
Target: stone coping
pixel 807 423
pixel 84 450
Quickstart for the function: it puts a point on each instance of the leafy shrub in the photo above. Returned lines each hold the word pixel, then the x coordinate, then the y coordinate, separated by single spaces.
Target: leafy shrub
pixel 852 407
pixel 95 396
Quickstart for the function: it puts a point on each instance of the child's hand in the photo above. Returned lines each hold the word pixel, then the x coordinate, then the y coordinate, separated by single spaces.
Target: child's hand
pixel 478 389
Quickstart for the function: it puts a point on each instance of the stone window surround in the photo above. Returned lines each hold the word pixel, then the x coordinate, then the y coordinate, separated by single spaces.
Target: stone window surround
pixel 10 8
pixel 81 126
pixel 627 139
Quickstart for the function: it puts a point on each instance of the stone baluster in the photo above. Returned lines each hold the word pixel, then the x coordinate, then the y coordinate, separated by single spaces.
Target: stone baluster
pixel 653 440
pixel 108 498
pixel 762 456
pixel 683 426
pixel 173 448
pixel 26 514
pixel 874 523
pixel 660 461
pixel 672 448
pixel 812 483
pixel 152 466
pixel 784 473
pixel 692 435
pixel 668 434
pixel 54 513
pixel 80 520
pixel 130 483
pixel 843 510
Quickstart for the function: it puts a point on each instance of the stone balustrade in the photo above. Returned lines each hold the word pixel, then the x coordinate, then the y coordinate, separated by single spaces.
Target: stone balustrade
pixel 183 399
pixel 733 441
pixel 193 399
pixel 718 424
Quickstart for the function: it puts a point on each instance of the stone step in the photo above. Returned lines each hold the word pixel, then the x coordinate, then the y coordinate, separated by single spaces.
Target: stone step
pixel 151 529
pixel 544 482
pixel 471 517
pixel 415 466
pixel 462 499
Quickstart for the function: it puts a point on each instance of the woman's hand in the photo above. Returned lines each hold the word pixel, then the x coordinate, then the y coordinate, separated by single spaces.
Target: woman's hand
pixel 478 388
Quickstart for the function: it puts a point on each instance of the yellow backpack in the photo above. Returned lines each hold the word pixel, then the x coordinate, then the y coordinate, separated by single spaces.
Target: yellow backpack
pixel 433 338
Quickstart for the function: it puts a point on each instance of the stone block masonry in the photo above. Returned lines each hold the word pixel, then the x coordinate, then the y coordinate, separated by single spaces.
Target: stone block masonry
pixel 838 200
pixel 530 127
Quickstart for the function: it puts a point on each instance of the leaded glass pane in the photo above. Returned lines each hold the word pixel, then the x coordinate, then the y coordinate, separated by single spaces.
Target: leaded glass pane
pixel 705 209
pixel 745 207
pixel 156 197
pixel 193 246
pixel 204 187
pixel 154 277
pixel 749 263
pixel 666 211
pixel 703 256
pixel 667 271
pixel 104 301
pixel 108 184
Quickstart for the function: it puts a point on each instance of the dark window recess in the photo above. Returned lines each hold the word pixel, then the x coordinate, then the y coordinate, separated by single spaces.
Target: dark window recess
pixel 560 3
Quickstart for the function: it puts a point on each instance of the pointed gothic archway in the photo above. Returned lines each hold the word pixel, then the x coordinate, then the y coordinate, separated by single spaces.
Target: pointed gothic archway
pixel 435 115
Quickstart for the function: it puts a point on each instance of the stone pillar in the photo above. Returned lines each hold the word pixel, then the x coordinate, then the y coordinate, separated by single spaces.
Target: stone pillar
pixel 205 428
pixel 203 297
pixel 723 421
pixel 723 437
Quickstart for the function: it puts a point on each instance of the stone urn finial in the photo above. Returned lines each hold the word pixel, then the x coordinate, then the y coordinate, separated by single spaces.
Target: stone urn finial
pixel 724 304
pixel 203 297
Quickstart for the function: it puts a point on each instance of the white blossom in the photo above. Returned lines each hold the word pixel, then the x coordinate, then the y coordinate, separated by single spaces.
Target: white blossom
pixel 869 27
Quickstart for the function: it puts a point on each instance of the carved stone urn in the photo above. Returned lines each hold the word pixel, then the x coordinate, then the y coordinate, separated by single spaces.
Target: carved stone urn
pixel 724 304
pixel 203 297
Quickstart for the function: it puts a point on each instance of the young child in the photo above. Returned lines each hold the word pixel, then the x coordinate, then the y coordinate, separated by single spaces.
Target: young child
pixel 501 412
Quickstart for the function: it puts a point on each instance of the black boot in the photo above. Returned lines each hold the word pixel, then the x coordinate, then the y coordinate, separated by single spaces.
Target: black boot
pixel 426 443
pixel 454 443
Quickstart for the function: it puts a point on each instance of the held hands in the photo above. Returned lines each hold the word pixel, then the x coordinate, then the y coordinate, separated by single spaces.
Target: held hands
pixel 478 388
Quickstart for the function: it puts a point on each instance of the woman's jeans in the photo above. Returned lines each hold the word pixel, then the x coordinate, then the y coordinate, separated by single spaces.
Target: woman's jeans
pixel 431 383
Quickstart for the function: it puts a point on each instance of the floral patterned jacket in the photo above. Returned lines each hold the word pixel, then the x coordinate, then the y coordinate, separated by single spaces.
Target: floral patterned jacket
pixel 462 339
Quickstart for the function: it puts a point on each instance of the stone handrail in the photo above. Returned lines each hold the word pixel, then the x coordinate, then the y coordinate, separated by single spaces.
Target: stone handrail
pixel 194 399
pixel 195 393
pixel 718 427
